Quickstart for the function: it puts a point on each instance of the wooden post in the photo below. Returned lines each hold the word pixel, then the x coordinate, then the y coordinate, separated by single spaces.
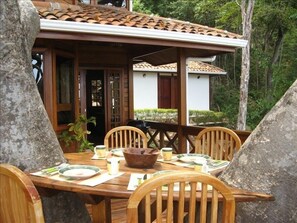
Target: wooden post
pixel 131 89
pixel 181 99
pixel 162 144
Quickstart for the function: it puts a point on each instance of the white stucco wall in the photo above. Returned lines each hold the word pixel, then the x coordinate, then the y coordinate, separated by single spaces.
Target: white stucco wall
pixel 198 92
pixel 145 90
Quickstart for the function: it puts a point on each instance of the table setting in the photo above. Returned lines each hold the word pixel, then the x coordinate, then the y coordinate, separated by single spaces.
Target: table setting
pixel 192 160
pixel 183 160
pixel 88 175
pixel 117 180
pixel 146 158
pixel 136 158
pixel 80 174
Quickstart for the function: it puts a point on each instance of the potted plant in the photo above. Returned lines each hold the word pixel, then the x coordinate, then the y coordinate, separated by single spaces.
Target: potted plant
pixel 77 133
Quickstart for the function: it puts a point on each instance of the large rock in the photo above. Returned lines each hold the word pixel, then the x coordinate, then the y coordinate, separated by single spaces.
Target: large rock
pixel 27 139
pixel 267 163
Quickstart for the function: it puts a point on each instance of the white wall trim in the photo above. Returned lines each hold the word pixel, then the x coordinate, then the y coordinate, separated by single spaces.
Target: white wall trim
pixel 75 27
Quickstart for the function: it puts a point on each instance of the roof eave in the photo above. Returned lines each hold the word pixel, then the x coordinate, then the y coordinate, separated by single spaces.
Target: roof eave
pixel 174 71
pixel 74 27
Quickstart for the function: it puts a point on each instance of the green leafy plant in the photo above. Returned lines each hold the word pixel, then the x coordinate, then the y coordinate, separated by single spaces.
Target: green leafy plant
pixel 196 117
pixel 77 133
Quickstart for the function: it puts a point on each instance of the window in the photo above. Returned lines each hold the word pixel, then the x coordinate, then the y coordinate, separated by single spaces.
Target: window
pixel 86 1
pixel 97 93
pixel 64 89
pixel 115 98
pixel 37 63
pixel 117 3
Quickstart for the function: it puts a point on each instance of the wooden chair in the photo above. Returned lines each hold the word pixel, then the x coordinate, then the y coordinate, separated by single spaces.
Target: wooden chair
pixel 121 137
pixel 151 192
pixel 218 142
pixel 19 199
pixel 125 136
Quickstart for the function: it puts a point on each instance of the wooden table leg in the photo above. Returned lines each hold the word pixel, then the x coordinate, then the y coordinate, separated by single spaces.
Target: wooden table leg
pixel 98 212
pixel 108 210
pixel 101 212
pixel 101 207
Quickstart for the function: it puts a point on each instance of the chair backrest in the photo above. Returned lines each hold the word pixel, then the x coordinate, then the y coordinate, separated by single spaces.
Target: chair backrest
pixel 218 142
pixel 19 199
pixel 124 137
pixel 194 195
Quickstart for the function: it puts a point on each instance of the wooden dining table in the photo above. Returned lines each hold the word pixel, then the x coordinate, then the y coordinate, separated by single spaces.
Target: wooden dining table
pixel 99 196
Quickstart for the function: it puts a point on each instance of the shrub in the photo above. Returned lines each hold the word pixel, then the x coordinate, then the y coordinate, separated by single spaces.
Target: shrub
pixel 196 117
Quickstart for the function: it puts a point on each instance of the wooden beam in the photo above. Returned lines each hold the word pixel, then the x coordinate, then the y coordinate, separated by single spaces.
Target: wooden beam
pixel 131 89
pixel 83 95
pixel 76 74
pixel 181 98
pixel 133 40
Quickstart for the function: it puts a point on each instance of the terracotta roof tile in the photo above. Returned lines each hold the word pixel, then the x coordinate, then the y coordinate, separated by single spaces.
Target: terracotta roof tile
pixel 194 66
pixel 109 15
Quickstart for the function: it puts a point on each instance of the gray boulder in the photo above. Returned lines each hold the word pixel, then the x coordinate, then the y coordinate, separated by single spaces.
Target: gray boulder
pixel 27 139
pixel 267 163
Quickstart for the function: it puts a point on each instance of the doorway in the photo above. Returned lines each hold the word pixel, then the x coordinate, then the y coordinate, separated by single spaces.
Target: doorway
pixel 167 88
pixel 95 105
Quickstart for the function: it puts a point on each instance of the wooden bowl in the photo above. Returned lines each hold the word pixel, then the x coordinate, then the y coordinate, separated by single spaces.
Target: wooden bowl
pixel 141 157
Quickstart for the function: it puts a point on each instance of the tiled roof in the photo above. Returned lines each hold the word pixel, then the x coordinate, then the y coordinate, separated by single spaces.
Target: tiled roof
pixel 109 15
pixel 193 66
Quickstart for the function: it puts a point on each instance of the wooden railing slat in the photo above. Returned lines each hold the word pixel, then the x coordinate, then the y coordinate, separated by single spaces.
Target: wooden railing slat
pixel 165 134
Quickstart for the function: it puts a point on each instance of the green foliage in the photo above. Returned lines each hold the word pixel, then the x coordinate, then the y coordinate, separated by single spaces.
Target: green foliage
pixel 77 132
pixel 257 109
pixel 196 117
pixel 206 117
pixel 162 115
pixel 274 23
pixel 226 101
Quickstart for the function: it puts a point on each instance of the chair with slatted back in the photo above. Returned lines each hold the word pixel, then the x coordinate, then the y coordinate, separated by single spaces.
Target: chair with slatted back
pixel 219 143
pixel 179 196
pixel 124 137
pixel 19 199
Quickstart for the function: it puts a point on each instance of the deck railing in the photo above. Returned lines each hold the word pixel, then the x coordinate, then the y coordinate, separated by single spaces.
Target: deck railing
pixel 165 135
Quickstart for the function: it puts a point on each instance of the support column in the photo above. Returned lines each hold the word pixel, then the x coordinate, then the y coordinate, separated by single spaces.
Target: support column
pixel 131 89
pixel 181 99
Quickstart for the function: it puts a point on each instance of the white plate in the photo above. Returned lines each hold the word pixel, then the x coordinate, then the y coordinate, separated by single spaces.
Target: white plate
pixel 79 171
pixel 191 157
pixel 117 152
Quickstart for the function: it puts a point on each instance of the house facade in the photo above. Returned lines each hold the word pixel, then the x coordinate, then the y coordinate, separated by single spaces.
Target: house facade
pixel 84 54
pixel 161 83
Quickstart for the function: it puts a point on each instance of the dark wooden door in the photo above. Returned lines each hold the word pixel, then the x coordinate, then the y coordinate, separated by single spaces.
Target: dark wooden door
pixel 167 92
pixel 95 104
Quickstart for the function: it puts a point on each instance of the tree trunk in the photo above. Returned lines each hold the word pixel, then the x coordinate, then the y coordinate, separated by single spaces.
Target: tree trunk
pixel 246 14
pixel 28 140
pixel 273 61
